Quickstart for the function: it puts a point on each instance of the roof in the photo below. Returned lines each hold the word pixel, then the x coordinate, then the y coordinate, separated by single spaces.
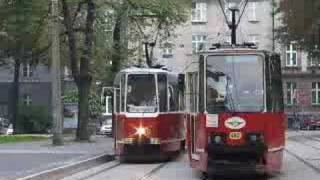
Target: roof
pixel 144 70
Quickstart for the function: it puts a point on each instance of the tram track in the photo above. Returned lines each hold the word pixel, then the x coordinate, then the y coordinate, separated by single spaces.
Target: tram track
pixel 296 139
pixel 115 166
pixel 153 171
pixel 108 168
pixel 306 144
pixel 303 138
pixel 310 165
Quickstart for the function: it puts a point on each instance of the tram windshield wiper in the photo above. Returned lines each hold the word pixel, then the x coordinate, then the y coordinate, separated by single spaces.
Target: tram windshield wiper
pixel 230 100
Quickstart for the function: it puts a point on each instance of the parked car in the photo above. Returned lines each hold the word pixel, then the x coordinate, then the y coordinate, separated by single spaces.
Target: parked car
pixel 310 124
pixel 6 127
pixel 106 127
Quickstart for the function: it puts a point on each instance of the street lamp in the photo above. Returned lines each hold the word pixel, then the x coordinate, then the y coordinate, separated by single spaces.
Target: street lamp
pixel 233 7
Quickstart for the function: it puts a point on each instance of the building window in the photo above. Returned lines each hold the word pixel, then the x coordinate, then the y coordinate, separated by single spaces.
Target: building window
pixel 27 100
pixel 199 12
pixel 313 57
pixel 167 52
pixel 27 70
pixel 316 93
pixel 291 55
pixel 313 62
pixel 253 12
pixel 199 42
pixel 291 93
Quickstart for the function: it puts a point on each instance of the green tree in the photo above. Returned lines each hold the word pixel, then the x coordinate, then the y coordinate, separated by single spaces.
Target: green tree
pixel 300 23
pixel 22 25
pixel 97 54
pixel 81 64
pixel 153 21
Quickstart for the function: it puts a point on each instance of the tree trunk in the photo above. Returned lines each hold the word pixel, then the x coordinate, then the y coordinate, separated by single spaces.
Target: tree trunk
pixel 15 94
pixel 116 60
pixel 83 114
pixel 84 83
pixel 56 79
pixel 120 39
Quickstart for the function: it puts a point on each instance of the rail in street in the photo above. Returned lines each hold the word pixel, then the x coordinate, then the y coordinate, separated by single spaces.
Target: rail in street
pixel 301 161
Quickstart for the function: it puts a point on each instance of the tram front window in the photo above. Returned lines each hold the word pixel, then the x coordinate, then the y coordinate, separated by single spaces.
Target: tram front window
pixel 141 93
pixel 235 84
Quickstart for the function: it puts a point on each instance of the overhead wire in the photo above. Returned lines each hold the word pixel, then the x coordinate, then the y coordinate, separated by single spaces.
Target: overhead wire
pixel 224 13
pixel 243 10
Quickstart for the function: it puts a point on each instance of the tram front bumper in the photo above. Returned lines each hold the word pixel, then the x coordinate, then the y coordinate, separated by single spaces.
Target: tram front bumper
pixel 244 159
pixel 141 149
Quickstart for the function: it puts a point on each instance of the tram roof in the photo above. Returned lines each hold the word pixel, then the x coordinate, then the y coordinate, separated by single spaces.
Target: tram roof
pixel 234 50
pixel 144 70
pixel 244 48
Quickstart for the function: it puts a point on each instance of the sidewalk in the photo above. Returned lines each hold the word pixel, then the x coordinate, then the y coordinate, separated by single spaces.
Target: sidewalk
pixel 21 159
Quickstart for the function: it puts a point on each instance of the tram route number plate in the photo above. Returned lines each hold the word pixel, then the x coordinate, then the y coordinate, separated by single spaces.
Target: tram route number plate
pixel 235 135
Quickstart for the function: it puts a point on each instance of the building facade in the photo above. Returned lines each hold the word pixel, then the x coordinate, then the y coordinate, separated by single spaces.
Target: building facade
pixel 207 25
pixel 301 82
pixel 34 87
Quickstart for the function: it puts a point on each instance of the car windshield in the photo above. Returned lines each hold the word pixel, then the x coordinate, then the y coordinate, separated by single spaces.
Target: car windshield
pixel 141 93
pixel 235 84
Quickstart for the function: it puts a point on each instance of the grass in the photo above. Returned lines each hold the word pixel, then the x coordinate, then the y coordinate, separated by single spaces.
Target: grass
pixel 20 138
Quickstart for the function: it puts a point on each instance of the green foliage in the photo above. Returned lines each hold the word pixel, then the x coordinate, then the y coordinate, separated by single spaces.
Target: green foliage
pixel 159 17
pixel 95 107
pixel 33 119
pixel 20 138
pixel 24 27
pixel 300 23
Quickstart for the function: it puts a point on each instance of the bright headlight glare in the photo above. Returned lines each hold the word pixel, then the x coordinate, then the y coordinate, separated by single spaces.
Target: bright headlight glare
pixel 141 131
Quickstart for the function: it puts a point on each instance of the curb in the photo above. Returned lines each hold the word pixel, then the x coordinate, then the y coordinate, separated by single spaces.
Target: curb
pixel 69 169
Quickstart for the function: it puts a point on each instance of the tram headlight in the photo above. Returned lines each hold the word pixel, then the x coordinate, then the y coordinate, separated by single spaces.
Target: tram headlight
pixel 255 137
pixel 141 131
pixel 216 139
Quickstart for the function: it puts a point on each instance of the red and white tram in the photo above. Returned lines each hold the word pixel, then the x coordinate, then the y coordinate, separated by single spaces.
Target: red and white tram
pixel 236 121
pixel 147 113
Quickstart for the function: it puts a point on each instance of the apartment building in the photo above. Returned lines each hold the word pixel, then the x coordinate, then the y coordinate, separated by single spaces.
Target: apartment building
pixel 35 87
pixel 207 25
pixel 301 76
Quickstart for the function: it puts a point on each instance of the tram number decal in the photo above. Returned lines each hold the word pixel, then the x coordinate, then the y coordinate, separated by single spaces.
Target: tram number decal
pixel 148 132
pixel 235 135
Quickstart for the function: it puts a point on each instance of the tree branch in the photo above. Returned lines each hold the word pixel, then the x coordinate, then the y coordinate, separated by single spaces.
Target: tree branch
pixel 80 4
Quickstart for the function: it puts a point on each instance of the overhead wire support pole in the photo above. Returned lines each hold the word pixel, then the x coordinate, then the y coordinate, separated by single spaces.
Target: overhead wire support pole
pixel 233 28
pixel 234 24
pixel 56 77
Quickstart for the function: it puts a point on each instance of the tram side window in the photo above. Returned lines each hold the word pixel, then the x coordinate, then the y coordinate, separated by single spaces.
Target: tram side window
pixel 174 98
pixel 117 105
pixel 276 83
pixel 162 86
pixel 193 91
pixel 171 99
pixel 123 93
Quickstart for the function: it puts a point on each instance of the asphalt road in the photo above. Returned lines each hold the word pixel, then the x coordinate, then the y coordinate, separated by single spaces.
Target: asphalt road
pixel 18 164
pixel 22 159
pixel 301 162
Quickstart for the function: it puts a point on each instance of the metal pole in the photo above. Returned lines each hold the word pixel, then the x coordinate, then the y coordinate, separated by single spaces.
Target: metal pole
pixel 233 28
pixel 56 78
pixel 273 26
